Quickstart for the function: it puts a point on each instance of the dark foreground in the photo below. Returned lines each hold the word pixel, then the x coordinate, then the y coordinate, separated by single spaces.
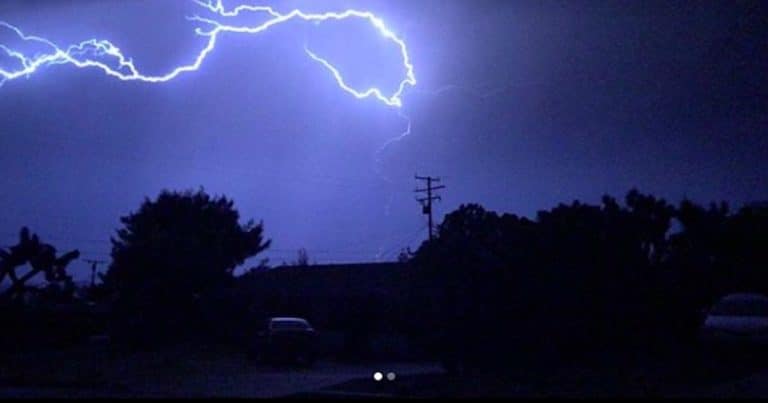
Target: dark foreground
pixel 192 372
pixel 628 374
pixel 183 372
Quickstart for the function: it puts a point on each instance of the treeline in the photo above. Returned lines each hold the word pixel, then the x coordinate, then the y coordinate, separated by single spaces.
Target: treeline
pixel 582 277
pixel 490 286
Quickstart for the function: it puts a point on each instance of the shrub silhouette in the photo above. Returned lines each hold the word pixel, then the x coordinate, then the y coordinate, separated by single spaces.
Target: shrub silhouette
pixel 42 259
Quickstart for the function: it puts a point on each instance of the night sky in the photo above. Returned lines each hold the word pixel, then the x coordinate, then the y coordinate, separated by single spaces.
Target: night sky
pixel 520 105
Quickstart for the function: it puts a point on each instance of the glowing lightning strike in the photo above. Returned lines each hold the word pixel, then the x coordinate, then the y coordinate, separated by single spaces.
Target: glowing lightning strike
pixel 105 56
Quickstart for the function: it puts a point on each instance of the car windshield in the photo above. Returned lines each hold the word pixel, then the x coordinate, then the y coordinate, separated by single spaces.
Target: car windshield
pixel 743 307
pixel 289 325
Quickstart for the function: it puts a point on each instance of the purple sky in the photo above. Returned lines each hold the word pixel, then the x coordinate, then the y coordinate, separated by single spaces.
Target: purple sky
pixel 520 105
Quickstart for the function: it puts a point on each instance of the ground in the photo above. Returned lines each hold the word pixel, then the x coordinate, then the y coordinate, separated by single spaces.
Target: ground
pixel 195 372
pixel 183 372
pixel 679 373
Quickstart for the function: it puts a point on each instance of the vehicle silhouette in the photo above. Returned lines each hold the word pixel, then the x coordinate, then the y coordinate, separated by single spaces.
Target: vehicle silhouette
pixel 285 340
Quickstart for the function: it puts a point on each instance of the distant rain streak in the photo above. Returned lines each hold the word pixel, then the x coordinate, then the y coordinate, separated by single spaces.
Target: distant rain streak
pixel 105 56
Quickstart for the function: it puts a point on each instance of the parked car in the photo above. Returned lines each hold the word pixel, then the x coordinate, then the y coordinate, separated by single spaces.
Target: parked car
pixel 285 340
pixel 737 321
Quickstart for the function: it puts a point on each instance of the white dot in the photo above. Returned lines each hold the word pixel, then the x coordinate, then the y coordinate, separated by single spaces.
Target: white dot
pixel 391 376
pixel 377 376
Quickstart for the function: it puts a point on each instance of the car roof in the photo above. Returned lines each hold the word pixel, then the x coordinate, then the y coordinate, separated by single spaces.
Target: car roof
pixel 287 319
pixel 744 297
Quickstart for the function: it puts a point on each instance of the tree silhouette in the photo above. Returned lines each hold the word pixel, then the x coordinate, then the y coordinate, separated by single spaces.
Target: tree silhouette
pixel 175 251
pixel 719 252
pixel 582 276
pixel 41 257
pixel 458 278
pixel 405 255
pixel 302 258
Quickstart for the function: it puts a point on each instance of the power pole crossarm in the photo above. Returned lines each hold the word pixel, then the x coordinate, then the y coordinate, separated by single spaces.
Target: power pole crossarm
pixel 426 202
pixel 433 189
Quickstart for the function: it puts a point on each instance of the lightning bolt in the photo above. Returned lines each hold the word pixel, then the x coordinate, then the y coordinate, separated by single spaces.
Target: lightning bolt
pixel 105 56
pixel 378 154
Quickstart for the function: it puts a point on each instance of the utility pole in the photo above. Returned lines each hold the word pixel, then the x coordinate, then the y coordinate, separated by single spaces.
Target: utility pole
pixel 426 202
pixel 94 264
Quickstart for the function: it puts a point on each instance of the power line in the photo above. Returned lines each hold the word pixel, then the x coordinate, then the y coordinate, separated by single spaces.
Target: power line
pixel 411 238
pixel 58 239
